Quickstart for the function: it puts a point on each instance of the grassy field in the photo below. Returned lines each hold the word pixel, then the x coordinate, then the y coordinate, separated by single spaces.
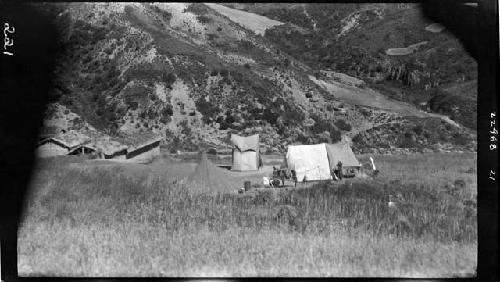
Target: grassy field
pixel 118 220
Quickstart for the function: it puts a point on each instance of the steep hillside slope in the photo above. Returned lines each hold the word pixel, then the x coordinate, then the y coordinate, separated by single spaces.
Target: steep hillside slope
pixel 390 46
pixel 193 75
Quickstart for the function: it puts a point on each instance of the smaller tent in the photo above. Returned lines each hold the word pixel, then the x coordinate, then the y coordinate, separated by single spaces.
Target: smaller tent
pixel 341 152
pixel 246 154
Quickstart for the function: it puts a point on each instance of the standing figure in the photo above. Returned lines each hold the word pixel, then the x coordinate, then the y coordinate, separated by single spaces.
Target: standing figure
pixel 339 169
pixel 294 177
pixel 334 174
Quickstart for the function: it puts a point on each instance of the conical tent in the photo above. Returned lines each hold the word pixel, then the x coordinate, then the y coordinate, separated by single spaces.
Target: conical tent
pixel 208 178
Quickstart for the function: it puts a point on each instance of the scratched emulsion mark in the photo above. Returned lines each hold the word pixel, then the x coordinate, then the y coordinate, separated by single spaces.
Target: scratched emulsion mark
pixel 7 42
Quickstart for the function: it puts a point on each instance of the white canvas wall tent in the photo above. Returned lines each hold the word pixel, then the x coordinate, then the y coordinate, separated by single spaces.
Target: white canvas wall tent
pixel 246 153
pixel 310 162
pixel 315 162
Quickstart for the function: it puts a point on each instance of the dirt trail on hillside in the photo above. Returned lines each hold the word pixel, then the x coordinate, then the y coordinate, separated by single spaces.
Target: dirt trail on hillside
pixel 367 98
pixel 373 99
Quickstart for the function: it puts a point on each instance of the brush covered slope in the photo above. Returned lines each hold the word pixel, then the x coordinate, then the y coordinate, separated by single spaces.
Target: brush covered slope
pixel 390 46
pixel 194 73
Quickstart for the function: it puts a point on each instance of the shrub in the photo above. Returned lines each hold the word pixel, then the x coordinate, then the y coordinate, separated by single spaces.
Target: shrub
pixel 270 116
pixel 407 143
pixel 220 119
pixel 168 110
pixel 418 129
pixel 358 139
pixel 165 119
pixel 185 129
pixel 459 139
pixel 224 125
pixel 151 114
pixel 245 45
pixel 294 115
pixel 212 36
pixel 224 73
pixel 169 79
pixel 237 76
pixel 321 126
pixel 229 118
pixel 133 105
pixel 204 19
pixel 286 62
pixel 335 135
pixel 343 125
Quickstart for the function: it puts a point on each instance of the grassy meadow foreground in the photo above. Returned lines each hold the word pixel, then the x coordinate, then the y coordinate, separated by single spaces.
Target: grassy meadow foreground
pixel 96 219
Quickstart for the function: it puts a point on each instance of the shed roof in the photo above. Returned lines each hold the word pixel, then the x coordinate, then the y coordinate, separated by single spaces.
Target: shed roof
pixel 88 146
pixel 138 140
pixel 54 140
pixel 107 146
pixel 250 143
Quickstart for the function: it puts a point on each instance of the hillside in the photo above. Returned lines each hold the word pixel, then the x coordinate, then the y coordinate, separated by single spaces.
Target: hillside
pixel 195 73
pixel 390 46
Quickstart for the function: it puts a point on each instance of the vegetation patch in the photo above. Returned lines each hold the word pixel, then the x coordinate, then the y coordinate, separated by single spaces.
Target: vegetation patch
pixel 109 212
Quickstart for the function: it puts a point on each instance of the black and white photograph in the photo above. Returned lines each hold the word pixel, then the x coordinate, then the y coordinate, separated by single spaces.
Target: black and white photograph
pixel 245 140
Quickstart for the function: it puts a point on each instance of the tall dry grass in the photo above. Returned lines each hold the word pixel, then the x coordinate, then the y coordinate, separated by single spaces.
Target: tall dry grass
pixel 105 222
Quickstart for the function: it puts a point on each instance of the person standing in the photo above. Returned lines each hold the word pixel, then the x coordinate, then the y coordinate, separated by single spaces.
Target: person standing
pixel 339 169
pixel 294 177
